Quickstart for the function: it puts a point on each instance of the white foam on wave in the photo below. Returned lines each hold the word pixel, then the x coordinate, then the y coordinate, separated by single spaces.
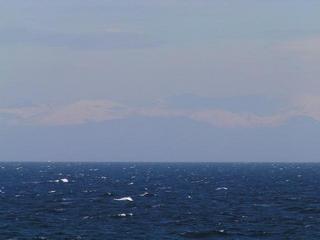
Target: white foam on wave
pixel 53 181
pixel 93 169
pixel 64 180
pixel 221 188
pixel 125 215
pixel 124 199
pixel 144 194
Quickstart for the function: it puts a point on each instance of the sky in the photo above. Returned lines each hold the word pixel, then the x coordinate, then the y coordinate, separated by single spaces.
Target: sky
pixel 150 80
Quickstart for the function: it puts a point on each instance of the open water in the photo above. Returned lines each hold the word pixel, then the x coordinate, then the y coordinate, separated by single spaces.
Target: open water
pixel 159 201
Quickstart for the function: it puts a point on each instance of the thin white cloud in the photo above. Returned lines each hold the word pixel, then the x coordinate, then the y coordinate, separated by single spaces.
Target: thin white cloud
pixel 87 111
pixel 24 115
pixel 308 49
pixel 223 118
pixel 308 105
pixel 76 113
pixel 82 112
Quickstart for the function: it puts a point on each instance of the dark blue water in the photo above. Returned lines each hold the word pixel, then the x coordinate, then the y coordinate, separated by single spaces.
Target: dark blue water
pixel 170 201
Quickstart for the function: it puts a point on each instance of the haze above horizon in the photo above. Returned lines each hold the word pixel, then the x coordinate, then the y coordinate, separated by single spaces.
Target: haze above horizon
pixel 169 80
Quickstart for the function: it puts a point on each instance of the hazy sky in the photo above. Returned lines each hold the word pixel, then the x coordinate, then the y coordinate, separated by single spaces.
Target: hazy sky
pixel 232 66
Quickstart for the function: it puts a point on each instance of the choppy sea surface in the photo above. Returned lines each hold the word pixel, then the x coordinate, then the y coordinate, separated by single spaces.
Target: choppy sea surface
pixel 159 201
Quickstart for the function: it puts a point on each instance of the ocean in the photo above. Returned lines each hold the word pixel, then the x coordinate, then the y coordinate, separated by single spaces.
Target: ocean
pixel 159 201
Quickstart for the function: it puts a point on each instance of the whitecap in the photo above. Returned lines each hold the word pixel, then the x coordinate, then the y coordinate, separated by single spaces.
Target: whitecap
pixel 108 194
pixel 125 215
pixel 124 199
pixel 157 205
pixel 221 188
pixel 53 181
pixel 64 180
pixel 144 194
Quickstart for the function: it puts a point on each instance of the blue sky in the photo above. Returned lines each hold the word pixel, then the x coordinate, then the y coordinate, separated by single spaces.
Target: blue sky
pixel 246 66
